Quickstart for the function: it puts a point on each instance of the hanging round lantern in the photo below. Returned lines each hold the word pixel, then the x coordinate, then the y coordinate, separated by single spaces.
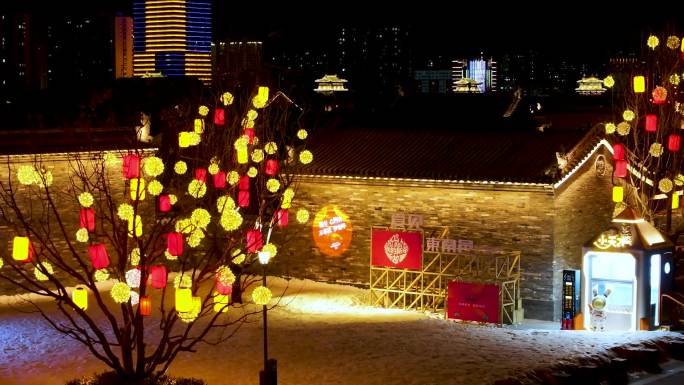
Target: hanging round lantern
pixel 174 244
pixel 639 84
pixel 673 142
pixel 659 95
pixel 620 168
pixel 665 185
pixel 254 241
pixel 618 151
pixel 98 256
pixel 651 123
pixel 618 194
pixel 158 276
pixel 131 166
pixel 87 219
pixel 145 305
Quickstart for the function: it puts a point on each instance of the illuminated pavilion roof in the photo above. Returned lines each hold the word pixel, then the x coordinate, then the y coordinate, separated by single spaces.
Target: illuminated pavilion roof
pixel 590 86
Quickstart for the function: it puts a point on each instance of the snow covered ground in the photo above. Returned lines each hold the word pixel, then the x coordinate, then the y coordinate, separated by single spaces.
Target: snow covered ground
pixel 325 334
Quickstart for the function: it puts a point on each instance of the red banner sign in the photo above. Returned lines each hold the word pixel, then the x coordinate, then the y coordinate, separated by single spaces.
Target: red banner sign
pixel 400 249
pixel 471 301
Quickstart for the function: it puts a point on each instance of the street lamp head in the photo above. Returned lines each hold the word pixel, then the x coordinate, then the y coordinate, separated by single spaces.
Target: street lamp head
pixel 264 257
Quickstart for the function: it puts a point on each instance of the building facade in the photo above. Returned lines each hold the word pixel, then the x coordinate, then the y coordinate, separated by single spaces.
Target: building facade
pixel 123 47
pixel 484 72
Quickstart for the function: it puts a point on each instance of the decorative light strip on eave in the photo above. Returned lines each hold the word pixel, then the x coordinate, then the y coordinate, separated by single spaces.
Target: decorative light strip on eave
pixel 609 147
pixel 23 158
pixel 424 180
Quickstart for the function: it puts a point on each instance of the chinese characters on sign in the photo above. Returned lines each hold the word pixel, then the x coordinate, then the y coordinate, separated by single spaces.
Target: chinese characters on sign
pixel 332 230
pixel 613 239
pixel 473 301
pixel 443 245
pixel 407 221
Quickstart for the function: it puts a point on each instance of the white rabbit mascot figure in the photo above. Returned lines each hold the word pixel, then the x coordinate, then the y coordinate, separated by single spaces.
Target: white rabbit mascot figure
pixel 598 308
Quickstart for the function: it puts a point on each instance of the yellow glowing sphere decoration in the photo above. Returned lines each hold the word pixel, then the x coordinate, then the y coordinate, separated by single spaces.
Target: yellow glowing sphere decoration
pixel 230 220
pixel 665 185
pixel 246 123
pixel 43 178
pixel 272 185
pixel 305 157
pixel 101 275
pixel 82 235
pixel 302 134
pixel 271 148
pixel 182 281
pixel 44 266
pixel 302 216
pixel 135 226
pixel 203 110
pixel 153 166
pixel 261 295
pixel 25 175
pixel 675 79
pixel 257 155
pixel 679 180
pixel 135 257
pixel 173 199
pixel 86 199
pixel 652 42
pixel 241 142
pixel 184 139
pixel 221 302
pixel 258 103
pixel 271 249
pixel 252 172
pixel 120 292
pixel 197 188
pixel 213 169
pixel 200 218
pixel 225 275
pixel 125 211
pixel 110 159
pixel 184 226
pixel 623 128
pixel 225 203
pixel 608 81
pixel 227 98
pixel 672 42
pixel 252 115
pixel 656 149
pixel 233 178
pixel 628 115
pixel 155 187
pixel 195 238
pixel 180 167
pixel 238 259
pixel 610 128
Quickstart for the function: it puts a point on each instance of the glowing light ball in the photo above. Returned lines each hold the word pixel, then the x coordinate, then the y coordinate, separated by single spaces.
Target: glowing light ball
pixel 197 189
pixel 155 187
pixel 87 219
pixel 98 256
pixel 302 134
pixel 133 278
pixel 158 276
pixel 628 115
pixel 230 220
pixel 261 295
pixel 180 167
pixel 618 193
pixel 252 115
pixel 213 168
pixel 610 128
pixel 252 172
pixel 25 175
pixel 271 148
pixel 656 149
pixel 86 199
pixel 305 157
pixel 120 292
pixel 675 79
pixel 203 110
pixel 608 81
pixel 273 185
pixel 257 155
pixel 652 42
pixel 80 298
pixel 101 275
pixel 225 203
pixel 153 166
pixel 227 98
pixel 302 216
pixel 125 211
pixel 665 185
pixel 659 95
pixel 332 230
pixel 82 235
pixel 672 42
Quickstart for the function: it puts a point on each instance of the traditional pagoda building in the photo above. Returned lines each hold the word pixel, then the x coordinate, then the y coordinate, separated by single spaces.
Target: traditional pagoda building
pixel 590 86
pixel 330 84
pixel 467 85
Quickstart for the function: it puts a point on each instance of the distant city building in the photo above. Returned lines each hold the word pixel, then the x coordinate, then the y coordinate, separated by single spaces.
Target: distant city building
pixel 23 55
pixel 590 86
pixel 433 81
pixel 238 58
pixel 540 75
pixel 484 72
pixel 330 84
pixel 172 37
pixel 123 47
pixel 466 85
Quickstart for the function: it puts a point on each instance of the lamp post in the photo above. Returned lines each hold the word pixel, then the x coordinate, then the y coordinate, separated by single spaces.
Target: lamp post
pixel 268 376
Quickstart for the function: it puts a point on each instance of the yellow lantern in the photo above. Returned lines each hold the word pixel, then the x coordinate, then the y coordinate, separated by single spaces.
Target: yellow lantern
pixel 20 249
pixel 618 193
pixel 263 93
pixel 80 297
pixel 184 300
pixel 135 226
pixel 639 84
pixel 199 125
pixel 675 200
pixel 242 155
pixel 138 188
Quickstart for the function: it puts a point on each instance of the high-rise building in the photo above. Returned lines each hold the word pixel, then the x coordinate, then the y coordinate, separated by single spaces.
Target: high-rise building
pixel 172 38
pixel 123 47
pixel 483 72
pixel 23 55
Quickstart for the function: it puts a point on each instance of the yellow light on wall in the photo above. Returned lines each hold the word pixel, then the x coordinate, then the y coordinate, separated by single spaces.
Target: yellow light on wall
pixel 183 300
pixel 675 200
pixel 80 298
pixel 618 193
pixel 20 248
pixel 639 84
pixel 138 188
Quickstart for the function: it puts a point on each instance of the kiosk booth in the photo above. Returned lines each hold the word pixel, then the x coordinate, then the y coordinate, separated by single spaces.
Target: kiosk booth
pixel 624 271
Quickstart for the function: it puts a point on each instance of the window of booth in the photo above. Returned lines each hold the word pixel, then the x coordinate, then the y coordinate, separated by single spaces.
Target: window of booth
pixel 655 288
pixel 610 290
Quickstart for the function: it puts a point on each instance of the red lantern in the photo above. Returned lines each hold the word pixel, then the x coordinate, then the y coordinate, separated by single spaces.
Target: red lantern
pixel 620 168
pixel 271 167
pixel 219 116
pixel 243 198
pixel 220 179
pixel 87 219
pixel 223 289
pixel 254 242
pixel 145 305
pixel 201 174
pixel 164 203
pixel 98 256
pixel 158 276
pixel 250 134
pixel 174 244
pixel 131 166
pixel 673 142
pixel 282 217
pixel 659 95
pixel 618 152
pixel 651 123
pixel 244 183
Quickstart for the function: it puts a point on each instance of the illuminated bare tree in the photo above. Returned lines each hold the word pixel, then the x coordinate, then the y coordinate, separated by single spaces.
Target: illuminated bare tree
pixel 647 140
pixel 103 242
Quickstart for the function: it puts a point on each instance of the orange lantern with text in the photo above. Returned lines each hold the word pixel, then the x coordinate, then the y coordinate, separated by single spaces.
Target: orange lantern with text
pixel 145 305
pixel 158 276
pixel 673 142
pixel 332 230
pixel 174 244
pixel 618 152
pixel 620 168
pixel 220 179
pixel 98 256
pixel 131 166
pixel 651 123
pixel 164 203
pixel 87 219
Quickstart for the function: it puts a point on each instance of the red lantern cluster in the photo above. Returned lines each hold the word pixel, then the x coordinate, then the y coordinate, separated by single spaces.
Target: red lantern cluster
pixel 620 168
pixel 673 142
pixel 174 244
pixel 164 203
pixel 98 255
pixel 220 180
pixel 87 219
pixel 254 241
pixel 243 193
pixel 651 123
pixel 131 166
pixel 618 152
pixel 158 276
